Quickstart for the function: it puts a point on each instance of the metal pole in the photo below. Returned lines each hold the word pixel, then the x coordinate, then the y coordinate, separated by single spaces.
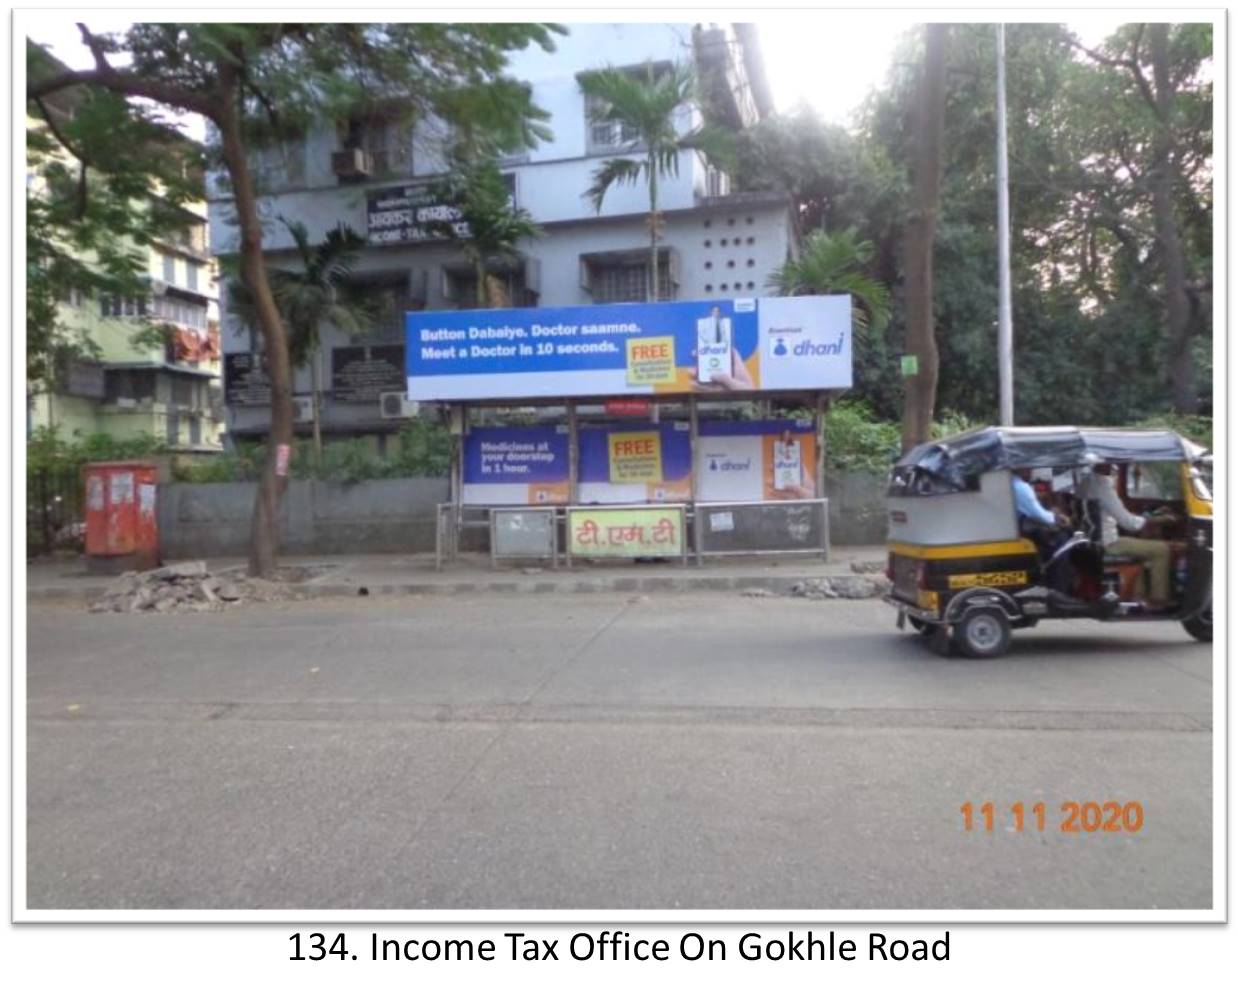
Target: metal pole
pixel 573 454
pixel 1005 332
pixel 694 425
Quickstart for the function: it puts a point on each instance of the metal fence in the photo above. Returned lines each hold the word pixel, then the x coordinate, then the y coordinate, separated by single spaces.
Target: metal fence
pixel 55 510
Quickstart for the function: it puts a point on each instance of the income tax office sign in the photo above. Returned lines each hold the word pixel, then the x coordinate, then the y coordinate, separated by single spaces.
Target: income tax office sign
pixel 674 347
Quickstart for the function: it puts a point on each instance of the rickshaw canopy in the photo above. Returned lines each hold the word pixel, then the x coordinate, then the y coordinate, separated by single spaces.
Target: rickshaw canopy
pixel 952 463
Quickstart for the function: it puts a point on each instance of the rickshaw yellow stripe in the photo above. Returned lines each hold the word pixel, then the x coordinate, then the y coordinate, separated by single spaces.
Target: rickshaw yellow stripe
pixel 1000 549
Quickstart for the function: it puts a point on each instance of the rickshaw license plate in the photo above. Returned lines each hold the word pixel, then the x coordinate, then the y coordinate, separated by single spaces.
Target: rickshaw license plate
pixel 993 579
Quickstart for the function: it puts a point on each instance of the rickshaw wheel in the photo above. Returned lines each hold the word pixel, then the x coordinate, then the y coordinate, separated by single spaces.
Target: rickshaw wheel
pixel 1200 626
pixel 983 633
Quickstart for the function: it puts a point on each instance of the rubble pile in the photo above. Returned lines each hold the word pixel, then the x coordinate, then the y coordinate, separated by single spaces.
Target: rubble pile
pixel 842 586
pixel 185 587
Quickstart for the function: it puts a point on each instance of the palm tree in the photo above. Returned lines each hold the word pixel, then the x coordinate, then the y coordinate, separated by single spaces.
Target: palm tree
pixel 833 264
pixel 490 227
pixel 308 297
pixel 644 107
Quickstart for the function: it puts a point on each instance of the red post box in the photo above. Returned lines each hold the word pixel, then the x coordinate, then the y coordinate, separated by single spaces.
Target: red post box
pixel 121 529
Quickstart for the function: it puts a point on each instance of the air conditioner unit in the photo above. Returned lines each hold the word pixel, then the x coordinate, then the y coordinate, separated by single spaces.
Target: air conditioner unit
pixel 350 163
pixel 302 410
pixel 393 404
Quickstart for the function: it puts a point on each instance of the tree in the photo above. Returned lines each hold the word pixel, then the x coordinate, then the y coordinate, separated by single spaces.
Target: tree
pixel 834 264
pixel 246 78
pixel 1139 52
pixel 315 293
pixel 921 386
pixel 489 227
pixel 106 181
pixel 645 106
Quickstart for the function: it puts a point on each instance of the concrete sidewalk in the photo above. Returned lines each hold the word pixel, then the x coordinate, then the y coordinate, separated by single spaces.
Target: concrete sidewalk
pixel 414 574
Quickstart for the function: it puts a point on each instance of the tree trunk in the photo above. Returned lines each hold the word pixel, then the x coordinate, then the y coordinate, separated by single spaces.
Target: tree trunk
pixel 264 534
pixel 921 387
pixel 315 401
pixel 653 230
pixel 480 269
pixel 1177 306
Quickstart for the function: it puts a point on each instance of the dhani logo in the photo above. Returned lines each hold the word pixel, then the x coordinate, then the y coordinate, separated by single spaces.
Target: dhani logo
pixel 788 342
pixel 726 464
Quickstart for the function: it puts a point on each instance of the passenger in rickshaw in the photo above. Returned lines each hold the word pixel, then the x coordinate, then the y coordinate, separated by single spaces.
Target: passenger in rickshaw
pixel 1154 554
pixel 1047 529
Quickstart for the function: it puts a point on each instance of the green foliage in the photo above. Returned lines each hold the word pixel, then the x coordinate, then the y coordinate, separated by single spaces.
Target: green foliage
pixel 493 227
pixel 1091 345
pixel 48 452
pixel 645 105
pixel 833 264
pixel 314 293
pixel 108 179
pixel 855 440
pixel 423 449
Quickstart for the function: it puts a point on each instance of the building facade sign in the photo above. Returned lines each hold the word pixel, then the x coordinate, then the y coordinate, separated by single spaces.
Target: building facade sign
pixel 245 379
pixel 676 347
pixel 362 373
pixel 403 215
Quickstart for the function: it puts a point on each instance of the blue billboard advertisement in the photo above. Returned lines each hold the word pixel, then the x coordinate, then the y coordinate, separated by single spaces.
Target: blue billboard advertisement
pixel 516 465
pixel 674 347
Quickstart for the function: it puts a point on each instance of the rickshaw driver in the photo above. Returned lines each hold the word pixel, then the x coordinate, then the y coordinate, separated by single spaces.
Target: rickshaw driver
pixel 1098 487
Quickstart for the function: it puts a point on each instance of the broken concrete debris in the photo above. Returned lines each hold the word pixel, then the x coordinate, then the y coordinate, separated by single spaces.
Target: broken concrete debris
pixel 186 587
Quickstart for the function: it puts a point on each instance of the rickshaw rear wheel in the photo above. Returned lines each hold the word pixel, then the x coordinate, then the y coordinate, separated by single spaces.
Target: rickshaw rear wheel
pixel 983 633
pixel 1199 626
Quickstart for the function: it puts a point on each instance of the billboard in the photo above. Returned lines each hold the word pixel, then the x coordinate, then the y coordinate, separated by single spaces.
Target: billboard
pixel 769 460
pixel 674 347
pixel 516 465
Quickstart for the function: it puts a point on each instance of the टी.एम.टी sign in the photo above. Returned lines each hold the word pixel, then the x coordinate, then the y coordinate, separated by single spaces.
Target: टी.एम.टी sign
pixel 655 531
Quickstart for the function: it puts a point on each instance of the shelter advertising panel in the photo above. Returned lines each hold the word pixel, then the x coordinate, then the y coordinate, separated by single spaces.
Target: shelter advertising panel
pixel 634 463
pixel 757 461
pixel 652 531
pixel 675 347
pixel 516 465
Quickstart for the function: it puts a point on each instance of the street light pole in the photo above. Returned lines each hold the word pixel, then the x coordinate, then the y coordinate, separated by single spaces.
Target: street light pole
pixel 1005 332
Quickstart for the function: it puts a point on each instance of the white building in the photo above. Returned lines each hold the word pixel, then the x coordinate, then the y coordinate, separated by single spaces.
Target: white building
pixel 714 243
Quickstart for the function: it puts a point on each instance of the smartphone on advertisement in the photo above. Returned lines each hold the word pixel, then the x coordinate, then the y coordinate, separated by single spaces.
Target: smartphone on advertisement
pixel 787 467
pixel 713 346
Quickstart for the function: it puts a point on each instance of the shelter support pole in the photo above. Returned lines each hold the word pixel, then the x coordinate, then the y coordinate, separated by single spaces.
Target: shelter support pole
pixel 694 427
pixel 823 406
pixel 573 454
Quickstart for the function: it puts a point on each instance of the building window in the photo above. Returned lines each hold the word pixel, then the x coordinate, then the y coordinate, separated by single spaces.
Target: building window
pixel 612 278
pixel 129 386
pixel 510 285
pixel 113 306
pixel 278 165
pixel 169 268
pixel 195 431
pixel 186 313
pixel 191 275
pixel 609 136
pixel 174 428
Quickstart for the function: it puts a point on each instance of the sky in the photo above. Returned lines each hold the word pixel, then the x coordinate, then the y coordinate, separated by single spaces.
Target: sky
pixel 810 57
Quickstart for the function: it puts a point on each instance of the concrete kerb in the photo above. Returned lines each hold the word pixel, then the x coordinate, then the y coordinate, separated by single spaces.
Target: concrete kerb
pixel 381 576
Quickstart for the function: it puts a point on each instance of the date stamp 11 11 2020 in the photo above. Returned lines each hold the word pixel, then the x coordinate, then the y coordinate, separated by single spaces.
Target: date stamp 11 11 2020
pixel 1110 816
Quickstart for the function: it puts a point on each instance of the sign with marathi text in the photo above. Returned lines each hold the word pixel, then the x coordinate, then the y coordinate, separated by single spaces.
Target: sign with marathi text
pixel 653 531
pixel 411 212
pixel 671 347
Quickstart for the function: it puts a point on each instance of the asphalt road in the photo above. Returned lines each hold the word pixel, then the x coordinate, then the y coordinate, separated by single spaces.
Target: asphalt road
pixel 690 751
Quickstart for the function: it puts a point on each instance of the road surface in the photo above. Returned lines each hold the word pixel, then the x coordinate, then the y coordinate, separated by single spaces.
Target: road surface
pixel 695 751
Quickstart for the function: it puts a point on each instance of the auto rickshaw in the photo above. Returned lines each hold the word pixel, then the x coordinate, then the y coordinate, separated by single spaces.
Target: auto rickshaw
pixel 967 570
